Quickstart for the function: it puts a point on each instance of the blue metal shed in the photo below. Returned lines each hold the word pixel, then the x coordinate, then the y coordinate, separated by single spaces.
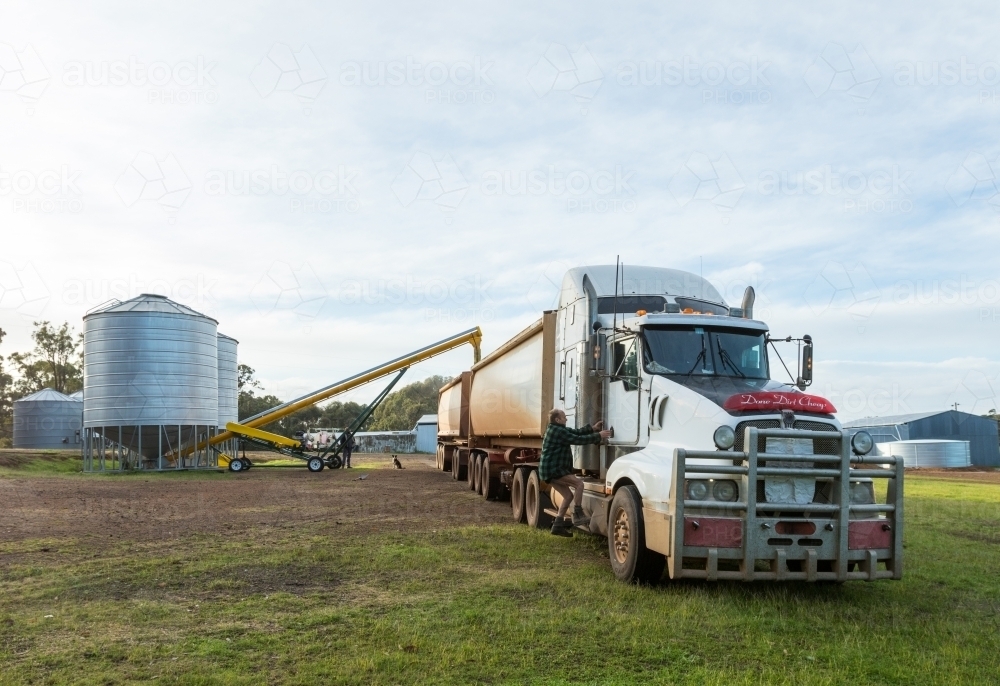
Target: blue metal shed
pixel 980 432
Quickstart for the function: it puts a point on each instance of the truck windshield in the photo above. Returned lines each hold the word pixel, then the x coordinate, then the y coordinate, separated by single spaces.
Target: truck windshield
pixel 705 351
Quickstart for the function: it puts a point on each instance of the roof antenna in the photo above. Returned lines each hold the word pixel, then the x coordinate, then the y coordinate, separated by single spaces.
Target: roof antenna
pixel 614 316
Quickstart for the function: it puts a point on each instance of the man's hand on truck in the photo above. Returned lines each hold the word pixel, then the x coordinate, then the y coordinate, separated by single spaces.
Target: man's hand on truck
pixel 606 433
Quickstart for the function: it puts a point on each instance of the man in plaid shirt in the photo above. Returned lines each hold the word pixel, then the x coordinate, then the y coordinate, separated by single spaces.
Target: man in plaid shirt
pixel 556 467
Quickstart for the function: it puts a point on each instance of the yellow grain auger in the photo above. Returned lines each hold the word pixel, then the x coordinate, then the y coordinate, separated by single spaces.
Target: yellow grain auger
pixel 248 430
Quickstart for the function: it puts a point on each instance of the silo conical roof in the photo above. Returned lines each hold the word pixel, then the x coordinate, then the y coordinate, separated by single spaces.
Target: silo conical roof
pixel 149 302
pixel 47 395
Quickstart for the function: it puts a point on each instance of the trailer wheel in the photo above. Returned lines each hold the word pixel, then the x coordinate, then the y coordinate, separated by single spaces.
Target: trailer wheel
pixel 517 486
pixel 439 458
pixel 535 503
pixel 470 471
pixel 491 486
pixel 479 475
pixel 315 464
pixel 631 560
pixel 335 462
pixel 236 465
pixel 457 471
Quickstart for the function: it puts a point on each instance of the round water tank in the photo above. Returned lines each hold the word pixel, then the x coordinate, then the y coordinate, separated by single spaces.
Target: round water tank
pixel 150 361
pixel 47 419
pixel 228 381
pixel 929 453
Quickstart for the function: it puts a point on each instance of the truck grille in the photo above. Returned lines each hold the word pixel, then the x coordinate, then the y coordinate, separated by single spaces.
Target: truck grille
pixel 821 446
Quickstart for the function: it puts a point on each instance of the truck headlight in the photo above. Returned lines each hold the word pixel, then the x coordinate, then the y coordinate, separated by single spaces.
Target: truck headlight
pixel 725 490
pixel 862 493
pixel 697 489
pixel 724 437
pixel 862 443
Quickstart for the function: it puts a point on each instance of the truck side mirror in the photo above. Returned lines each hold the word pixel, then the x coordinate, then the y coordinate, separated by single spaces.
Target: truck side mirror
pixel 806 375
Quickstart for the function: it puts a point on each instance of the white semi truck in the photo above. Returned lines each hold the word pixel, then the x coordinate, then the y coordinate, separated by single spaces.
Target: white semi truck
pixel 715 470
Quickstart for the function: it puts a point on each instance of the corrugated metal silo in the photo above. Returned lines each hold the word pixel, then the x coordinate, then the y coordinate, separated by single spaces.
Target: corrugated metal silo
pixel 151 385
pixel 47 419
pixel 228 380
pixel 929 453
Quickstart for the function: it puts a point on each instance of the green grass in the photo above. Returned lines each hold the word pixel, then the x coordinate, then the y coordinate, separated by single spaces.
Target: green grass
pixel 40 462
pixel 493 604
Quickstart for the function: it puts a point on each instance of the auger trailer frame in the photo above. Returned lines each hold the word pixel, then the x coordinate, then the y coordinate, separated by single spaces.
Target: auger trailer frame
pixel 248 429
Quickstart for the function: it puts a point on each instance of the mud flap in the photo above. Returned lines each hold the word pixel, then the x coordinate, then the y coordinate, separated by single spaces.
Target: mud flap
pixel 659 530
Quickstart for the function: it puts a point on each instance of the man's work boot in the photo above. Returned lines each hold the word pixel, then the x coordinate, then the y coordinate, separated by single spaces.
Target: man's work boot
pixel 561 527
pixel 579 518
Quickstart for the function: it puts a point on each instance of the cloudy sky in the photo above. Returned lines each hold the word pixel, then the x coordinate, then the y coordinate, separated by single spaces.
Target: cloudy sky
pixel 340 183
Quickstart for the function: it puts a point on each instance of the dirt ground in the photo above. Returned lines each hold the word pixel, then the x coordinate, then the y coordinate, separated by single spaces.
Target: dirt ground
pixel 147 507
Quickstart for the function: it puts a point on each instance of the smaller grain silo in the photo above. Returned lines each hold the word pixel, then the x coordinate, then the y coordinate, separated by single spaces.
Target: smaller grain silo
pixel 48 419
pixel 228 388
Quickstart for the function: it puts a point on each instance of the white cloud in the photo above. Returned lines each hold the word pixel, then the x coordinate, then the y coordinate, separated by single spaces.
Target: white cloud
pixel 220 247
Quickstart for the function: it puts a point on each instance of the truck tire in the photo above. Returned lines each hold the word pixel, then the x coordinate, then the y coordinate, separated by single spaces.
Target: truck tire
pixel 439 458
pixel 492 488
pixel 631 560
pixel 470 470
pixel 458 469
pixel 447 455
pixel 535 503
pixel 517 486
pixel 477 474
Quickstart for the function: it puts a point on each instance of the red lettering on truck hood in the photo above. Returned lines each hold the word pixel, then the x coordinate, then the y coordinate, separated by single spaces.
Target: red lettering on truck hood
pixel 771 400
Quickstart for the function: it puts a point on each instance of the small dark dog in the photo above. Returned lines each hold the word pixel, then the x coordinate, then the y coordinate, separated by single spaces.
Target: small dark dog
pixel 396 464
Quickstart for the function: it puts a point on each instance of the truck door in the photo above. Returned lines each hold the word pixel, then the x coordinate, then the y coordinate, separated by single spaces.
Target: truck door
pixel 624 389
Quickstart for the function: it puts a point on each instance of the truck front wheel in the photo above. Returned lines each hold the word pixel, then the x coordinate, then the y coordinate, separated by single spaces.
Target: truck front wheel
pixel 631 560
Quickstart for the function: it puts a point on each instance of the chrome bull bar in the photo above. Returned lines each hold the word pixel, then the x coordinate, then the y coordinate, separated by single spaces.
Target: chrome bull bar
pixel 753 540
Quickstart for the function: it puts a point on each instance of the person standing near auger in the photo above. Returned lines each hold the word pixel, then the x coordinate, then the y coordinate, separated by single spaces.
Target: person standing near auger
pixel 556 467
pixel 349 446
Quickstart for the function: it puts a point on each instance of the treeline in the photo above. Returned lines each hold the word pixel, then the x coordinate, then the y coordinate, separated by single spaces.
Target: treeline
pixel 56 362
pixel 398 412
